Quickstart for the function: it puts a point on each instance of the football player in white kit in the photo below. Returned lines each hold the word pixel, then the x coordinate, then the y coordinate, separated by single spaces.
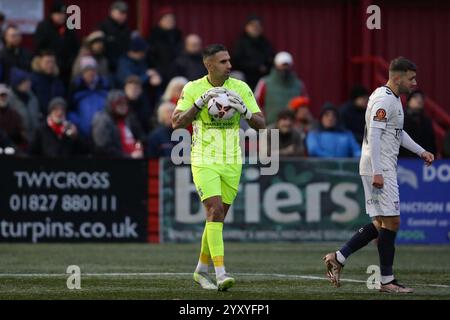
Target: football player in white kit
pixel 378 169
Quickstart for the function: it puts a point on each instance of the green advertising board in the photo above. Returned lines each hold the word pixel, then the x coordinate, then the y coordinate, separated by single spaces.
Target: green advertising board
pixel 307 200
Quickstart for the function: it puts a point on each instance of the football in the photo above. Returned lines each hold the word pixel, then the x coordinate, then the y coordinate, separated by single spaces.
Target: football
pixel 219 107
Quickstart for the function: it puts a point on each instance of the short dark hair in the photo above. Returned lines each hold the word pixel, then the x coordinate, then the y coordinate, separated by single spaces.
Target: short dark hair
pixel 402 64
pixel 212 50
pixel 286 114
pixel 415 93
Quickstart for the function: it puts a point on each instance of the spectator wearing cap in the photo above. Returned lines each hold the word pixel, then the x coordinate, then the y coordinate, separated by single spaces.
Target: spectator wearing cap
pixel 13 54
pixel 418 124
pixel 331 140
pixel 138 103
pixel 93 45
pixel 190 63
pixel 10 120
pixel 117 33
pixel 353 112
pixel 274 91
pixel 53 34
pixel 45 82
pixel 115 132
pixel 291 141
pixel 134 63
pixel 253 53
pixel 57 137
pixel 166 43
pixel 88 95
pixel 159 141
pixel 24 101
pixel 304 120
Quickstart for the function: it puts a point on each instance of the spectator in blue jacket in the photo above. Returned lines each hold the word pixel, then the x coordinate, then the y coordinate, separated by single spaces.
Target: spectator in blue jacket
pixel 44 79
pixel 159 142
pixel 88 96
pixel 134 63
pixel 330 140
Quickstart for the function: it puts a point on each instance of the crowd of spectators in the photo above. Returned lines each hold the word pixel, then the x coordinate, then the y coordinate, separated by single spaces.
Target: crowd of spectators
pixel 113 93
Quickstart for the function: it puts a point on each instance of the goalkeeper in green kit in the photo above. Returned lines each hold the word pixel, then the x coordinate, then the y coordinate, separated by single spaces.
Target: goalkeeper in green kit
pixel 215 153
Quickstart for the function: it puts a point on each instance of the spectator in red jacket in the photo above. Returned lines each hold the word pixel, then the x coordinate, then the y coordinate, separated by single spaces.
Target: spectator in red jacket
pixel 57 137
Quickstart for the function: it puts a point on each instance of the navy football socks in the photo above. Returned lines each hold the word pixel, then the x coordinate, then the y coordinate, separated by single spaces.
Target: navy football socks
pixel 359 240
pixel 386 251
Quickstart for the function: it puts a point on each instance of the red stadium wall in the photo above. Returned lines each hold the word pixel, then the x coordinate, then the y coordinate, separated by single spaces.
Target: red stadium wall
pixel 324 35
pixel 424 29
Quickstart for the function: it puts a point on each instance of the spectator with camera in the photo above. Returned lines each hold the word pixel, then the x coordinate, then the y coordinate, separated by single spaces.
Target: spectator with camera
pixel 57 137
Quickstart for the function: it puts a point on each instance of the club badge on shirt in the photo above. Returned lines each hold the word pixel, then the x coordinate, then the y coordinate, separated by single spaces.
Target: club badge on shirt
pixel 380 115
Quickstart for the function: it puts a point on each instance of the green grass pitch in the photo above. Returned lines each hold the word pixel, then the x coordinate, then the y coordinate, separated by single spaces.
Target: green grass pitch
pixel 262 271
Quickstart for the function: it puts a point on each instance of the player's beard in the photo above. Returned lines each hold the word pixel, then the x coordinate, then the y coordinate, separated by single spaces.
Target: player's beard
pixel 404 90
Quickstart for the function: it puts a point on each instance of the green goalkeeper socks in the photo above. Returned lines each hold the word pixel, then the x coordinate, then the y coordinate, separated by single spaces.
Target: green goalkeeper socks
pixel 215 243
pixel 203 261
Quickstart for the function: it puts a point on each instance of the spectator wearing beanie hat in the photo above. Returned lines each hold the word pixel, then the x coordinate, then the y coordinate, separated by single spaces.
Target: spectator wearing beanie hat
pixel 117 33
pixel 13 53
pixel 53 34
pixel 138 103
pixel 134 63
pixel 166 43
pixel 115 132
pixel 93 45
pixel 253 54
pixel 10 120
pixel 353 112
pixel 24 101
pixel 88 96
pixel 331 140
pixel 57 137
pixel 418 125
pixel 304 120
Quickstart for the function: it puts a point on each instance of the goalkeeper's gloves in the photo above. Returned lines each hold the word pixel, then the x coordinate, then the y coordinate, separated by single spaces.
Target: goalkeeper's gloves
pixel 204 98
pixel 237 103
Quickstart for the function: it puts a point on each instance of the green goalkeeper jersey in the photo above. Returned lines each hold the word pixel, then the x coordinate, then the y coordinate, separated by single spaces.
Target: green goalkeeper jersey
pixel 215 141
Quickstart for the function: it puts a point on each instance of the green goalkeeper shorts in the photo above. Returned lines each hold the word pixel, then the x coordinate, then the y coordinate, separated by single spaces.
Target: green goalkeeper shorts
pixel 217 180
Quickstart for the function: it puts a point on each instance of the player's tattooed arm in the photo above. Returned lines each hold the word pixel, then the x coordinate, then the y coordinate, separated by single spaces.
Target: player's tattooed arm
pixel 181 119
pixel 257 121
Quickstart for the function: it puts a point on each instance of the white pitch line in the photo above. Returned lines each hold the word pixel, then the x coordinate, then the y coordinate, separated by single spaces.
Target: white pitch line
pixel 163 274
